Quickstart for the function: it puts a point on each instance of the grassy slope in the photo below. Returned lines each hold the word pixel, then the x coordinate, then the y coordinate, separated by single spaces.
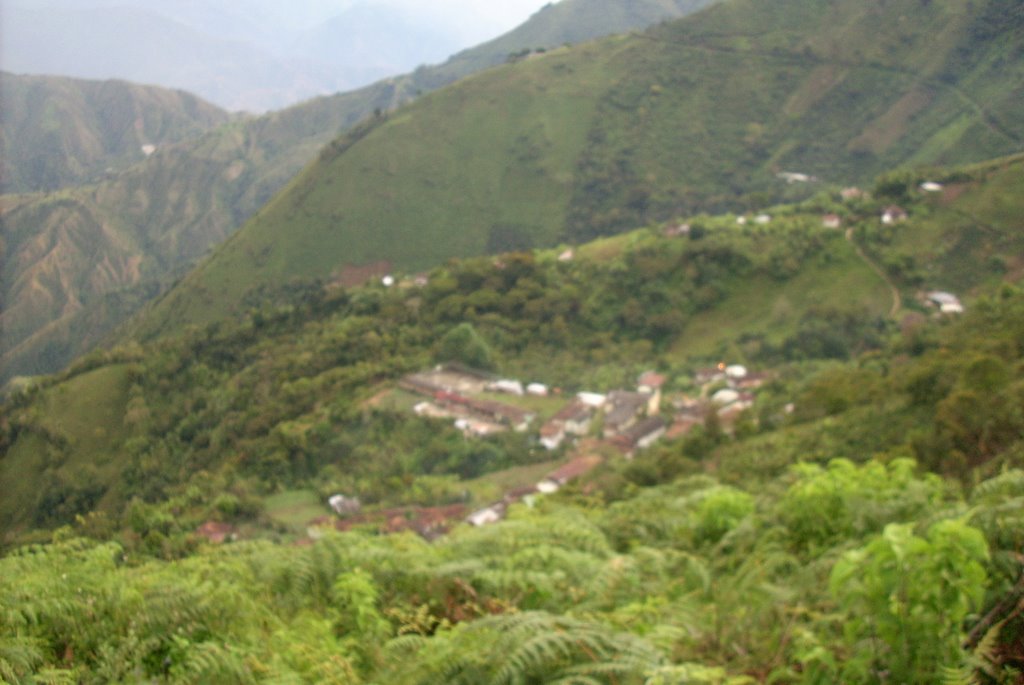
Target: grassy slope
pixel 695 114
pixel 189 197
pixel 466 182
pixel 59 132
pixel 88 410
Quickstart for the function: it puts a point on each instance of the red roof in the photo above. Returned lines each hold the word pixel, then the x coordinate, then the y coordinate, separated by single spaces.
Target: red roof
pixel 574 469
pixel 652 379
pixel 215 531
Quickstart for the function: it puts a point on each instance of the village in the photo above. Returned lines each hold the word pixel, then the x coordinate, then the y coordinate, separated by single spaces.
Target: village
pixel 588 427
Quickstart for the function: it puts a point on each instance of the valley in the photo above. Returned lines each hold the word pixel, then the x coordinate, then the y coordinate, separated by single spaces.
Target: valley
pixel 692 353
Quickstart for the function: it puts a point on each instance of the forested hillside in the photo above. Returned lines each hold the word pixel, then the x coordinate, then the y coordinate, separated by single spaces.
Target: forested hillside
pixel 732 108
pixel 859 520
pixel 147 225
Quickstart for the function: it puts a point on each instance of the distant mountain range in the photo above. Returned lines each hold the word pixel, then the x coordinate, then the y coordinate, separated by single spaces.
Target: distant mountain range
pixel 708 113
pixel 149 223
pixel 240 57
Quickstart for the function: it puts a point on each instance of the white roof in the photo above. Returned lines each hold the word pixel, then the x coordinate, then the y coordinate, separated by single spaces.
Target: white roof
pixel 940 297
pixel 725 396
pixel 952 308
pixel 736 371
pixel 537 389
pixel 591 399
pixel 931 187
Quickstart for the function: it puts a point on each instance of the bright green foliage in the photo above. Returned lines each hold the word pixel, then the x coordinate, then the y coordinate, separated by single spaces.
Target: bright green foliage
pixel 720 511
pixel 844 500
pixel 907 597
pixel 521 649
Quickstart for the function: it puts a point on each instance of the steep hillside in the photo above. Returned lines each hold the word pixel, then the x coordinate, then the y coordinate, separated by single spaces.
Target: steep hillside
pixel 59 132
pixel 164 214
pixel 286 393
pixel 704 113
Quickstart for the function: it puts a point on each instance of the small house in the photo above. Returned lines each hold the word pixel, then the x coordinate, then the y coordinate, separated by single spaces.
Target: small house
pixel 508 386
pixel 575 417
pixel 831 221
pixel 592 399
pixel 650 383
pixel 623 409
pixel 491 514
pixel 931 187
pixel 217 533
pixel 344 506
pixel 893 214
pixel 537 390
pixel 552 434
pixel 735 372
pixel 558 478
pixel 725 397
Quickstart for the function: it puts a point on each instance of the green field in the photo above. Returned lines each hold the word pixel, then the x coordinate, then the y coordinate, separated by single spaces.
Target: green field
pixel 295 508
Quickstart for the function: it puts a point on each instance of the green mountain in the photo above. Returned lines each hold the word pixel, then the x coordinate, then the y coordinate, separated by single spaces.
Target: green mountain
pixel 59 132
pixel 146 225
pixel 281 395
pixel 701 114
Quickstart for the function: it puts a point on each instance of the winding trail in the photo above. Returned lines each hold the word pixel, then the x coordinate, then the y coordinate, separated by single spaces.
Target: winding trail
pixel 897 299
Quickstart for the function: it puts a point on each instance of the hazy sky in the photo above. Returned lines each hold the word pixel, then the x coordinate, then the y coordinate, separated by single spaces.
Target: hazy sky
pixel 477 19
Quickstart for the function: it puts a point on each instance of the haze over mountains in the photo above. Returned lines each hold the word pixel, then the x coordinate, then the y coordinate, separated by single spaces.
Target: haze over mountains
pixel 250 56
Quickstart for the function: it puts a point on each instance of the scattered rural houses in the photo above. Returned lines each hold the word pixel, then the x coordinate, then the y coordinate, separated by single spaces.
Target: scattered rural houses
pixel 567 256
pixel 451 391
pixel 893 214
pixel 931 187
pixel 852 193
pixel 763 219
pixel 831 221
pixel 677 230
pixel 628 421
pixel 427 522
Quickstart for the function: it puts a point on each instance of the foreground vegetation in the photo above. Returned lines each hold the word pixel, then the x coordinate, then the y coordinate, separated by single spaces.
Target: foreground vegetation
pixel 861 523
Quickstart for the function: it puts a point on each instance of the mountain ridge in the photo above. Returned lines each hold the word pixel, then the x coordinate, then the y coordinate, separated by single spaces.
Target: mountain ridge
pixel 700 114
pixel 203 190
